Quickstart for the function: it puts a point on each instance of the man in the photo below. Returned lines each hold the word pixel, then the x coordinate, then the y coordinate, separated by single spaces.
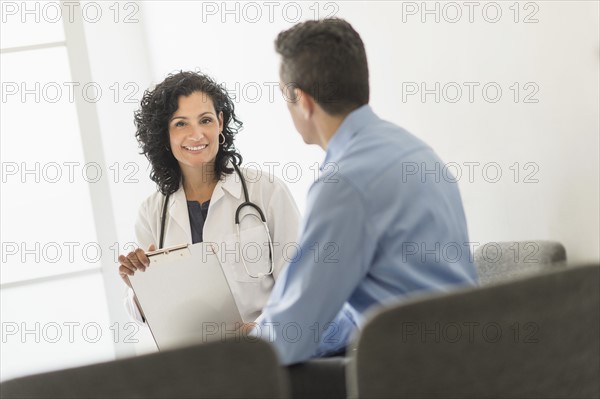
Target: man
pixel 378 229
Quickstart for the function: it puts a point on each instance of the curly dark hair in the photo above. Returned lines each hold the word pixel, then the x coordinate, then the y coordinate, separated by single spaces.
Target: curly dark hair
pixel 152 123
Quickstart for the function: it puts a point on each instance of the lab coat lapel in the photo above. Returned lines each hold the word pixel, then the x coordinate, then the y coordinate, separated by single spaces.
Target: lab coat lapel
pixel 230 183
pixel 178 211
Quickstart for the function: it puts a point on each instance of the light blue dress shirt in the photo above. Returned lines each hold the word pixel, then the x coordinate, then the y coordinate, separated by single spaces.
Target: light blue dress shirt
pixel 385 222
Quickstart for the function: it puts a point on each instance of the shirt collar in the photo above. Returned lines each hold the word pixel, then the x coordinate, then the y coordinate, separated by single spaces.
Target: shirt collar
pixel 351 125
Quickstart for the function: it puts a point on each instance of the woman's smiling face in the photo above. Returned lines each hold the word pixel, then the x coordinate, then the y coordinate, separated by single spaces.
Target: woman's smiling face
pixel 194 131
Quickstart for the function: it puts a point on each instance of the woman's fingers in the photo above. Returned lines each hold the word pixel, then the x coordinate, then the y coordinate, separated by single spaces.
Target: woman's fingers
pixel 132 262
pixel 126 265
pixel 134 259
pixel 125 271
pixel 142 259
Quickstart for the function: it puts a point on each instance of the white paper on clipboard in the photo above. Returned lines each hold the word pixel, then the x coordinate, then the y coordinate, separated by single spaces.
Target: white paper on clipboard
pixel 185 297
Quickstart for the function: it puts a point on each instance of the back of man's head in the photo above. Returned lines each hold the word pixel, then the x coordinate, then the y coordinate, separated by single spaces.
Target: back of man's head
pixel 327 60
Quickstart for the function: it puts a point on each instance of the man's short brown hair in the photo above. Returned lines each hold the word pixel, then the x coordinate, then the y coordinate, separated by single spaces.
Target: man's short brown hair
pixel 327 60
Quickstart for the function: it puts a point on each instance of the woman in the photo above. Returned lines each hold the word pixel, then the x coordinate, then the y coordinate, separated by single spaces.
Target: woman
pixel 186 128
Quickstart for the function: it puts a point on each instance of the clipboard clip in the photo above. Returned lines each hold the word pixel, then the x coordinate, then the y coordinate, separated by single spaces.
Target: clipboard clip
pixel 166 251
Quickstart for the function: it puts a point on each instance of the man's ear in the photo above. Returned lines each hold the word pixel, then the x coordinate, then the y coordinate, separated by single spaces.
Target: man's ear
pixel 305 102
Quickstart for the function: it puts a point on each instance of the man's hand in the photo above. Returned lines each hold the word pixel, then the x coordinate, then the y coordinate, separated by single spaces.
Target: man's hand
pixel 246 328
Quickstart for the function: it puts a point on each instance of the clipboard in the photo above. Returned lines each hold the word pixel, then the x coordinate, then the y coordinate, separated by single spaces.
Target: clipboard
pixel 185 298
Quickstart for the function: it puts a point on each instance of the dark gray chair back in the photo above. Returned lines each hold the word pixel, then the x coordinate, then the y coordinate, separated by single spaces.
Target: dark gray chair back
pixel 502 261
pixel 221 369
pixel 319 378
pixel 536 337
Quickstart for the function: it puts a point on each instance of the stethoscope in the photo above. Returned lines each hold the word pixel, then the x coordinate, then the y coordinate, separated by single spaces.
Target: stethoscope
pixel 246 203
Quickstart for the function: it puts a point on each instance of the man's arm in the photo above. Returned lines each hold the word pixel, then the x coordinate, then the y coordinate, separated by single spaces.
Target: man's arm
pixel 336 248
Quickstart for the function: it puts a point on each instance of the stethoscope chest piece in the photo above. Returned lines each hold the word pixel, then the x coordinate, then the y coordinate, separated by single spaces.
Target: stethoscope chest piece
pixel 237 219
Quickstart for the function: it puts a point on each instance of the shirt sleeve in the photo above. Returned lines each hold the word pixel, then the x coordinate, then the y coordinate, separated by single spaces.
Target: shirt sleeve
pixel 335 249
pixel 338 333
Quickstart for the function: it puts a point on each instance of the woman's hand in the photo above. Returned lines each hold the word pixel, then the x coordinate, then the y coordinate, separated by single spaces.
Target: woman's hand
pixel 134 261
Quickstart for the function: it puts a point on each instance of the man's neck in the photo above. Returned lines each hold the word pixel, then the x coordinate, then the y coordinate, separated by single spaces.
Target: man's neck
pixel 327 125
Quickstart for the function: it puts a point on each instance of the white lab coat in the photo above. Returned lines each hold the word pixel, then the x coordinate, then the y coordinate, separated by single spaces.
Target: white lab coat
pixel 281 212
